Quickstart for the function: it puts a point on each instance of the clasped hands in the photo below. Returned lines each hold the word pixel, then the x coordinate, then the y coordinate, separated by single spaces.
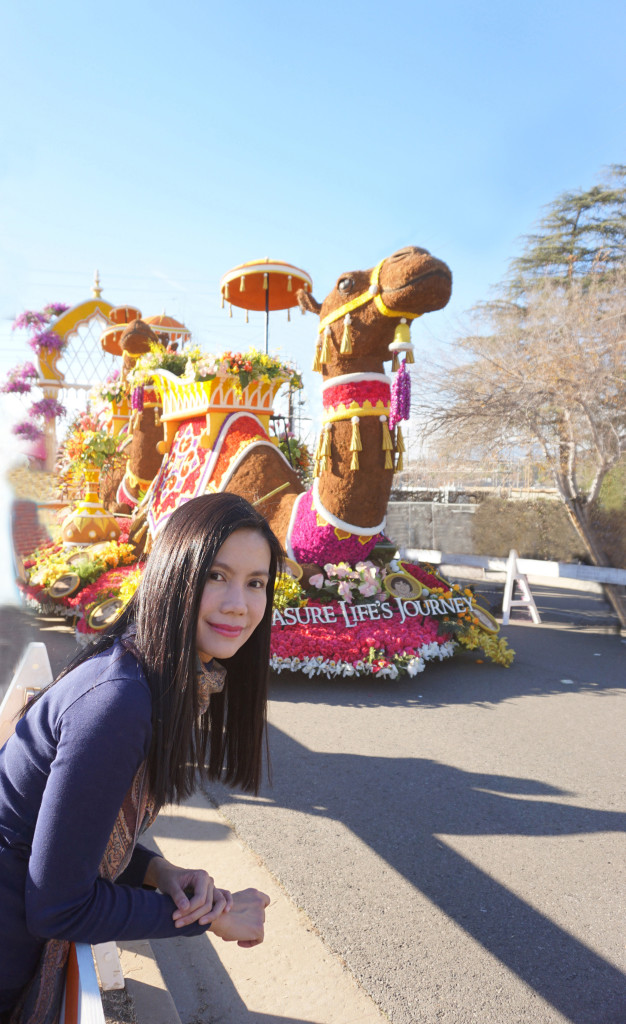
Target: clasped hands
pixel 236 917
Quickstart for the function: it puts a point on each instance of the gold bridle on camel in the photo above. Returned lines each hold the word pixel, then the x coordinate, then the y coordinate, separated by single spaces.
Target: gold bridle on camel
pixel 402 338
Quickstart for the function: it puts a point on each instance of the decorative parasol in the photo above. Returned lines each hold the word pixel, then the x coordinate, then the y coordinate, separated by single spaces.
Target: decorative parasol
pixel 264 285
pixel 168 328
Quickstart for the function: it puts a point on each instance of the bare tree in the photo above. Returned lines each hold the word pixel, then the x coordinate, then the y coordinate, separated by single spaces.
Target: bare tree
pixel 549 371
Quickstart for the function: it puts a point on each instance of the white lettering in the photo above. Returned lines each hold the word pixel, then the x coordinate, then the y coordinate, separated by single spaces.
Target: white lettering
pixel 291 616
pixel 411 608
pixel 329 614
pixel 374 611
pixel 344 609
pixel 277 618
pixel 316 614
pixel 400 604
pixel 307 615
pixel 387 610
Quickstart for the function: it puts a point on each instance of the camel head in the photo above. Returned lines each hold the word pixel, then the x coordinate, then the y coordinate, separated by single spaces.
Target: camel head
pixel 360 317
pixel 135 341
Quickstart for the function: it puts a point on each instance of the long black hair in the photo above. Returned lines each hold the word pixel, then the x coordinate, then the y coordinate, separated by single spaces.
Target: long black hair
pixel 159 624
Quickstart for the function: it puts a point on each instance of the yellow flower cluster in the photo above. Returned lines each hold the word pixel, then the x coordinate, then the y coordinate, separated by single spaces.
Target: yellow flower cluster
pixel 495 648
pixel 287 592
pixel 130 584
pixel 50 565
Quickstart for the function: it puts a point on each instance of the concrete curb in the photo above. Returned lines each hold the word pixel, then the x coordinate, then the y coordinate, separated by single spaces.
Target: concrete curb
pixel 292 976
pixel 152 1002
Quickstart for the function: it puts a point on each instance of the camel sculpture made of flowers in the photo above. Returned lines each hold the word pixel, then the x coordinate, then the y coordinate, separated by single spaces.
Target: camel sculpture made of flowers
pixel 364 321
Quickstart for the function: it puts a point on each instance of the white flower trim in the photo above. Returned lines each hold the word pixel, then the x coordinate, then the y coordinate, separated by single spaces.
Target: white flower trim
pixel 332 668
pixel 355 378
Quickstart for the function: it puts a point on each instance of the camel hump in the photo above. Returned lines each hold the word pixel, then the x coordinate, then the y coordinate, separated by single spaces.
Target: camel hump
pixel 262 471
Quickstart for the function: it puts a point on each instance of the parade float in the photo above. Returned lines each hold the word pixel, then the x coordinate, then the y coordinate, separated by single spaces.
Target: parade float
pixel 172 422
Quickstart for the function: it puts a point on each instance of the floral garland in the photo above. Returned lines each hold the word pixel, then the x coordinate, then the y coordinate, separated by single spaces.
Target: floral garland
pixel 400 397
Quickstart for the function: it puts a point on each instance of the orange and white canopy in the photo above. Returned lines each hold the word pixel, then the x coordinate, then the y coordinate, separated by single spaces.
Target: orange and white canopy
pixel 264 285
pixel 167 325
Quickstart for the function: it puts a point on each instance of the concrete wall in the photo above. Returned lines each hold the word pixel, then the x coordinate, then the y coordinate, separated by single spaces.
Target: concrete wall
pixel 425 524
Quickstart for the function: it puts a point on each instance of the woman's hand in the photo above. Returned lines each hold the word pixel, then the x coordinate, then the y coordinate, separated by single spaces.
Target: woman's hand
pixel 244 923
pixel 193 892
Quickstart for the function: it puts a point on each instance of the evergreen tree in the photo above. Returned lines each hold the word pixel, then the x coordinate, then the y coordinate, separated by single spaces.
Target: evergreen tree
pixel 582 233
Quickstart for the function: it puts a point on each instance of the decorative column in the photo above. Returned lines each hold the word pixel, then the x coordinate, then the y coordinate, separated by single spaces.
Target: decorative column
pixel 89 522
pixel 50 381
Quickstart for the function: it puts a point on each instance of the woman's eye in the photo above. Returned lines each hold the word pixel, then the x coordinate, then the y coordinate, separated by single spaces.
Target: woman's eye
pixel 215 575
pixel 257 584
pixel 346 284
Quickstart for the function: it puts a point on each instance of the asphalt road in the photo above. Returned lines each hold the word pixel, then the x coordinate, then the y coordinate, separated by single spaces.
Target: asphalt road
pixel 457 839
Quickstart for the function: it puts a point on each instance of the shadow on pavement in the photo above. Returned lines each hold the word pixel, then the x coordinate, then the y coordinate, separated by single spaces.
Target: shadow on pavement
pixel 438 799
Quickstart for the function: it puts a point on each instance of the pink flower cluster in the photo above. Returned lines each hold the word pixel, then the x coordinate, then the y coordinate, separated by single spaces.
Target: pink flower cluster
pixel 48 408
pixel 319 544
pixel 19 379
pixel 359 392
pixel 46 340
pixel 324 640
pixel 34 320
pixel 28 431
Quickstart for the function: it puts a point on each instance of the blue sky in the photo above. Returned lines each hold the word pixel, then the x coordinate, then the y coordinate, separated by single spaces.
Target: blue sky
pixel 164 143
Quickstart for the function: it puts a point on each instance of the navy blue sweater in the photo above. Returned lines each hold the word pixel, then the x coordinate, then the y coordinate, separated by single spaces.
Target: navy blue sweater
pixel 63 777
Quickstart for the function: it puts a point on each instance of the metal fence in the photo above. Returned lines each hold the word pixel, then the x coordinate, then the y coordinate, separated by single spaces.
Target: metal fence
pixel 426 524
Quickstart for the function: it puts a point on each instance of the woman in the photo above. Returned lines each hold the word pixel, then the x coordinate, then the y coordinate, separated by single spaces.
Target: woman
pixel 137 720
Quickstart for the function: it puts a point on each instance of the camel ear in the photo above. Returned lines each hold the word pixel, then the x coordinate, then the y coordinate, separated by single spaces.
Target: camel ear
pixel 307 303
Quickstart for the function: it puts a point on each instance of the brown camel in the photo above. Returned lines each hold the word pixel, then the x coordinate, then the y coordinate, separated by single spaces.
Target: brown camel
pixel 123 488
pixel 352 501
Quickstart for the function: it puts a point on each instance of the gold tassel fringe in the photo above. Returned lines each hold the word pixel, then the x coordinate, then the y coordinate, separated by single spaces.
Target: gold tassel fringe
pixel 317 362
pixel 388 461
pixel 410 358
pixel 325 353
pixel 346 340
pixel 387 439
pixel 355 440
pixel 355 443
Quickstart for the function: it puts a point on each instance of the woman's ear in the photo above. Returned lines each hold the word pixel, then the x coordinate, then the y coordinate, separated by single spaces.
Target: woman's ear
pixel 307 303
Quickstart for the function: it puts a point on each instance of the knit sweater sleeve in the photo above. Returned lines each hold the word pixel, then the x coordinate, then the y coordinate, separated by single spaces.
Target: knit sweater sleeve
pixel 102 738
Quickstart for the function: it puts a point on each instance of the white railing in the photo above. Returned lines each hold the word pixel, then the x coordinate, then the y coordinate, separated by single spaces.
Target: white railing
pixel 529 566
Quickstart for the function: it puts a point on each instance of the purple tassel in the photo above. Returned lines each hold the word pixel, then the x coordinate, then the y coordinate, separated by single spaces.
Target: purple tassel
pixel 136 399
pixel 400 397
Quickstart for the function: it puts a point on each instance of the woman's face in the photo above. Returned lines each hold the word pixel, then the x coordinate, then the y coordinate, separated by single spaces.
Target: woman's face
pixel 402 588
pixel 235 595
